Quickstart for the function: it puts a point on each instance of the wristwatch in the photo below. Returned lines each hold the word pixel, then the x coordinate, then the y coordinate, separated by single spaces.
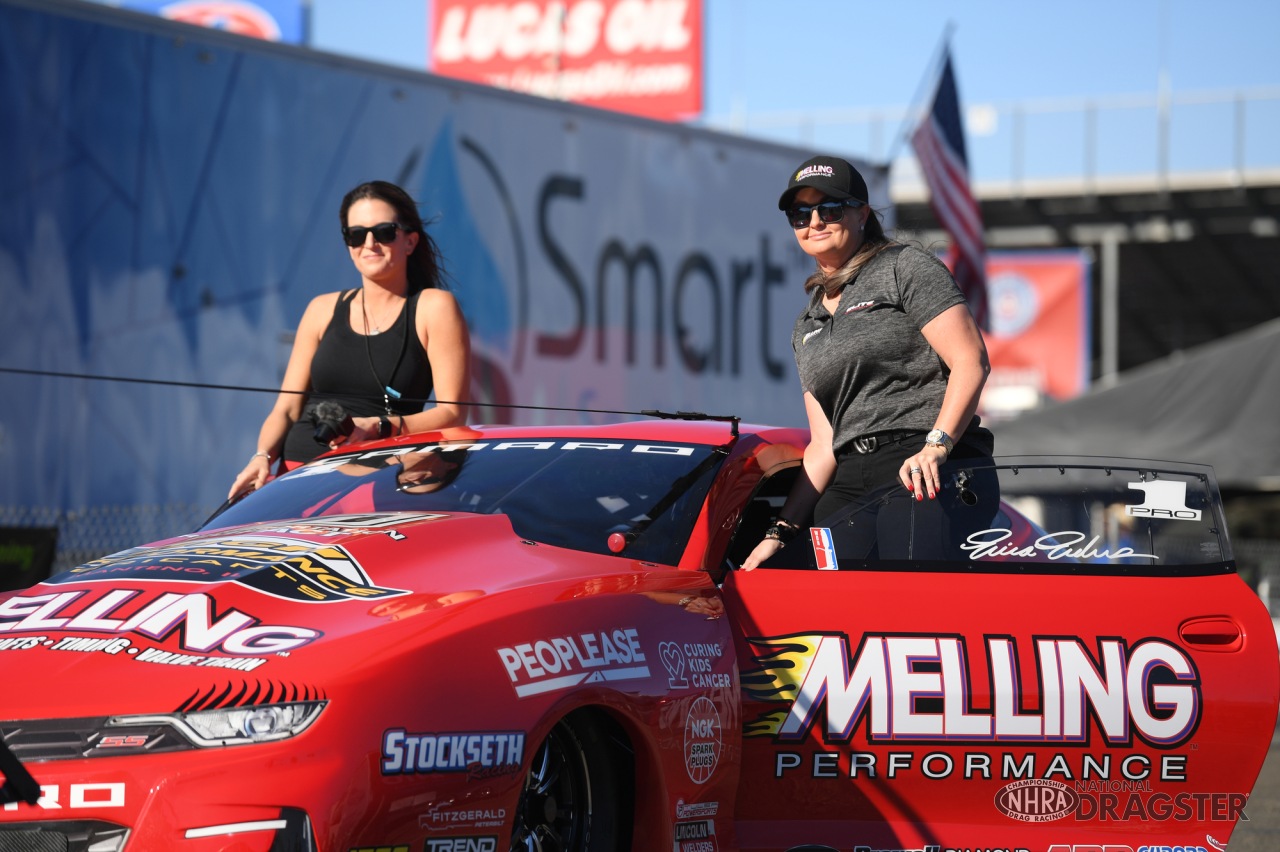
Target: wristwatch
pixel 938 438
pixel 384 428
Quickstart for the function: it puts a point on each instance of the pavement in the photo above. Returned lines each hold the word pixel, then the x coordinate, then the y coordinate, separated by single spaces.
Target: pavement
pixel 1261 832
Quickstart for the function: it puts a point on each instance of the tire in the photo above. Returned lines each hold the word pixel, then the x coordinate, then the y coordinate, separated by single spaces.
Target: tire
pixel 570 801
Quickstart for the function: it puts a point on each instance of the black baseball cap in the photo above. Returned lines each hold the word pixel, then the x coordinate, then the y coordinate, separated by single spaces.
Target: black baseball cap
pixel 836 178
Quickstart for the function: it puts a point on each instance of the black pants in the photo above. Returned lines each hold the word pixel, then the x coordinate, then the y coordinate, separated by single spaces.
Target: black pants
pixel 902 527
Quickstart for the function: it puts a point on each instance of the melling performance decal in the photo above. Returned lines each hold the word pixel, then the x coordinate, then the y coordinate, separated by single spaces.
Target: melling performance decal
pixel 918 689
pixel 114 612
pixel 293 569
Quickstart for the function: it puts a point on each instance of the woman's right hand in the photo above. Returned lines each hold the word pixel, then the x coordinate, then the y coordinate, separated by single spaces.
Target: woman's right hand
pixel 253 477
pixel 765 549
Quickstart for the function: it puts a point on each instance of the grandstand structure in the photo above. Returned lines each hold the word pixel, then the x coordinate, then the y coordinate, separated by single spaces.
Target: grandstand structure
pixel 1175 196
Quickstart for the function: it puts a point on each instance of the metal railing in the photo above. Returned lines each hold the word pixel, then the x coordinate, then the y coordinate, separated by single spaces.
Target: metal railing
pixel 1231 131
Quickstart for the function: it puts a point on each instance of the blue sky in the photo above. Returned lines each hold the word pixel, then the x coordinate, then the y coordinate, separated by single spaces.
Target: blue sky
pixel 767 56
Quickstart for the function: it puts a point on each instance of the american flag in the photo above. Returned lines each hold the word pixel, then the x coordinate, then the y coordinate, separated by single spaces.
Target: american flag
pixel 939 146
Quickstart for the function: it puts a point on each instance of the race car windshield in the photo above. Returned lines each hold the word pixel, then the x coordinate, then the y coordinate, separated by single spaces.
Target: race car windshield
pixel 1082 515
pixel 568 493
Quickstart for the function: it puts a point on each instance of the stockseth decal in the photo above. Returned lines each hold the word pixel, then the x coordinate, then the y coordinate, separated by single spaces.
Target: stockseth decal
pixel 548 665
pixel 293 569
pixel 481 754
pixel 1151 689
pixel 1165 498
pixel 200 630
pixel 703 740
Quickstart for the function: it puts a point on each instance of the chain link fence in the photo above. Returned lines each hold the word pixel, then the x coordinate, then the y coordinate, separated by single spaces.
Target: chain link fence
pixel 94 532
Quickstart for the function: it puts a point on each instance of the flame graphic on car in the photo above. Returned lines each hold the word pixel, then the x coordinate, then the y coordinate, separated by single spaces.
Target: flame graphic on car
pixel 784 663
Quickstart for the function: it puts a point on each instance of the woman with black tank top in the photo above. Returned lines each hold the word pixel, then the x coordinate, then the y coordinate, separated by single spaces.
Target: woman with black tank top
pixel 377 351
pixel 890 359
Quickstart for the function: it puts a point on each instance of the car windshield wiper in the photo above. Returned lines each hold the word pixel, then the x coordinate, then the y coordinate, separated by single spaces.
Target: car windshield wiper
pixel 620 541
pixel 18 786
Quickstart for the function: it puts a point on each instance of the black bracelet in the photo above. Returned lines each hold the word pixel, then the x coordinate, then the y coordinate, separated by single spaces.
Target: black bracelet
pixel 782 531
pixel 384 427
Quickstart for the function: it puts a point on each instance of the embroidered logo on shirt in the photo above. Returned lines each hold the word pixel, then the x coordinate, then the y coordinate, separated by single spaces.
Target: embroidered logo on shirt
pixel 861 306
pixel 805 339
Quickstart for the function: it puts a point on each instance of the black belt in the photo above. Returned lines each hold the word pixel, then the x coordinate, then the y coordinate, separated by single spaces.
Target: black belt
pixel 872 441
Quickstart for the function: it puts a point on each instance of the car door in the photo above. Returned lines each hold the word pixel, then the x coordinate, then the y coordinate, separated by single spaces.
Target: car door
pixel 1085 667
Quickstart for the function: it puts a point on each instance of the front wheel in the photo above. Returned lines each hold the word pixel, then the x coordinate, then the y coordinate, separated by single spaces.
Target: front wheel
pixel 570 801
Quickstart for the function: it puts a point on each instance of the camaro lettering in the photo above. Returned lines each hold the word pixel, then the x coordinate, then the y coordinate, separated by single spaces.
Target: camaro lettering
pixel 408 754
pixel 1059 545
pixel 77 797
pixel 551 664
pixel 1152 689
pixel 191 616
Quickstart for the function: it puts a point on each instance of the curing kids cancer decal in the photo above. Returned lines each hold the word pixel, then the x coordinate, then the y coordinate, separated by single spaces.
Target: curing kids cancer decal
pixel 919 689
pixel 293 569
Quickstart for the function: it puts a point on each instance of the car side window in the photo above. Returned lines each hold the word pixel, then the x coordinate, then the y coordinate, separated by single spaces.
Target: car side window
pixel 761 511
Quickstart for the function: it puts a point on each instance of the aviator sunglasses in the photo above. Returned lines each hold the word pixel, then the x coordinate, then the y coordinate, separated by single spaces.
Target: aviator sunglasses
pixel 828 212
pixel 384 233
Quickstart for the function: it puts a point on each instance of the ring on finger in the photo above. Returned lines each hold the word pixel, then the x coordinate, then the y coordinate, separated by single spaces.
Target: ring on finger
pixel 915 470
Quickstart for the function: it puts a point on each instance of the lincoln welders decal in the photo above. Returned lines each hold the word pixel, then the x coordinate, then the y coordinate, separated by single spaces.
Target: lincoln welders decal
pixel 294 569
pixel 1151 689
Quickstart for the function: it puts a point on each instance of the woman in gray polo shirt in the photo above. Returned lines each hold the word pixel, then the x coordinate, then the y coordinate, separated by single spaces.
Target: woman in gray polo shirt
pixel 890 358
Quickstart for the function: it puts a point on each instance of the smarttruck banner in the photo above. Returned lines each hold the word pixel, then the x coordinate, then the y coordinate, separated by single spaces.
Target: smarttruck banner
pixel 638 56
pixel 171 206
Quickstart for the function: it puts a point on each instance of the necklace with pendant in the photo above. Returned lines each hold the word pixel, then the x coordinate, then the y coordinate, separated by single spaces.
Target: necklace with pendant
pixel 368 327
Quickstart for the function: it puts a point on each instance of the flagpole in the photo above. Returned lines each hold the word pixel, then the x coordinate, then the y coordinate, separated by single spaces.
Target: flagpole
pixel 927 84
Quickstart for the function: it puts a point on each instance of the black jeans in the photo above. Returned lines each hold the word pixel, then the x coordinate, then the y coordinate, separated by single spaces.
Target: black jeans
pixel 906 528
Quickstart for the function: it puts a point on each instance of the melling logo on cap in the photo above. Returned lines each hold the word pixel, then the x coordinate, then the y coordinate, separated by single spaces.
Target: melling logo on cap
pixel 824 171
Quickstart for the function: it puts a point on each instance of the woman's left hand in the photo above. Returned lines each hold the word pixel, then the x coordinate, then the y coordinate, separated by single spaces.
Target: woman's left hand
pixel 919 473
pixel 363 429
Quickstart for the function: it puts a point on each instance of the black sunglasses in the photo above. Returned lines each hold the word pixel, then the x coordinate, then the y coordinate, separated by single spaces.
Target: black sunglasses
pixel 384 233
pixel 828 212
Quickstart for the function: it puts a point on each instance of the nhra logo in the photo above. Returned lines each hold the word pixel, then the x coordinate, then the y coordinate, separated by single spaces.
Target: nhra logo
pixel 1037 800
pixel 293 569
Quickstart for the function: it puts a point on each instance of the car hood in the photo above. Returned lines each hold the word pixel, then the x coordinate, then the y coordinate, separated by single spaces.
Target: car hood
pixel 278 608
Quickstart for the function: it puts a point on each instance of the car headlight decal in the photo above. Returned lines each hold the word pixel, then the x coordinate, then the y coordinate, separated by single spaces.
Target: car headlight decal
pixel 236 725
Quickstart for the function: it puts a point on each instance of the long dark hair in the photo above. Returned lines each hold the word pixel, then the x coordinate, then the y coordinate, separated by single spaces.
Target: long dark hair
pixel 874 241
pixel 426 264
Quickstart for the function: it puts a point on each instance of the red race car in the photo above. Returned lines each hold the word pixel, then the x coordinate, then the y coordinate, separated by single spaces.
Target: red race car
pixel 539 639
